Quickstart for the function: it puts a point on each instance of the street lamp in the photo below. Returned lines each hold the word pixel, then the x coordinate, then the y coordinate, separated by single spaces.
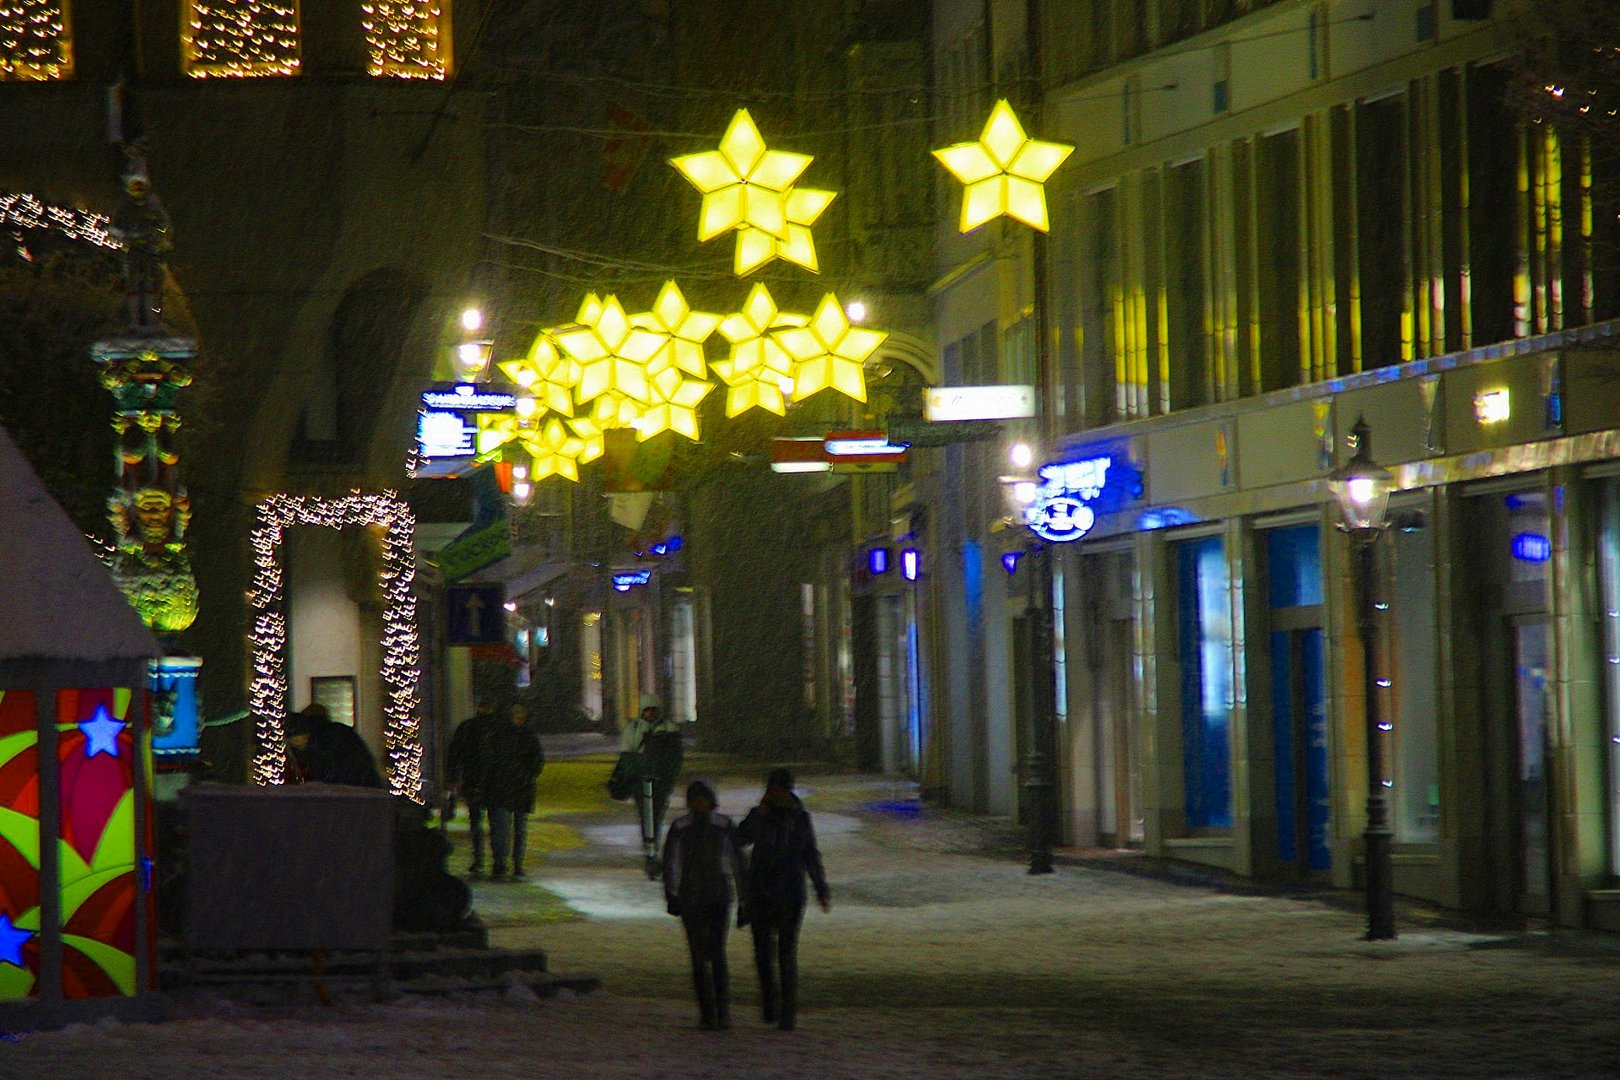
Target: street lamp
pixel 1362 489
pixel 1020 490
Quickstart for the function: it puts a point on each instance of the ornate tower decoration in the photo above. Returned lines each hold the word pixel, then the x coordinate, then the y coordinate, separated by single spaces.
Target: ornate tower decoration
pixel 145 368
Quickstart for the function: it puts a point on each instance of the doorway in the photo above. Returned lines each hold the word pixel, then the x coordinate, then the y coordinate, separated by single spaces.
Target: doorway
pixel 1531 649
pixel 1302 761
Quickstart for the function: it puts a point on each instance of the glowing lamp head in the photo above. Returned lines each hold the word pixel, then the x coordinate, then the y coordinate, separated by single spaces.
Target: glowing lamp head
pixel 473 356
pixel 1024 492
pixel 1021 455
pixel 527 407
pixel 855 311
pixel 472 319
pixel 1361 485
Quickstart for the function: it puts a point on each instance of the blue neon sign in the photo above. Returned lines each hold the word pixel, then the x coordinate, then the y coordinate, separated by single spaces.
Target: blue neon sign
pixel 1071 495
pixel 1532 547
pixel 626 580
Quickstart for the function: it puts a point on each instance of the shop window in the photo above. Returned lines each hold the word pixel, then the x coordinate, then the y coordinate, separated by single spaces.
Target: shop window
pixel 407 39
pixel 1493 202
pixel 1206 682
pixel 1411 660
pixel 1185 307
pixel 1381 210
pixel 1610 566
pixel 240 38
pixel 1277 297
pixel 1102 362
pixel 34 41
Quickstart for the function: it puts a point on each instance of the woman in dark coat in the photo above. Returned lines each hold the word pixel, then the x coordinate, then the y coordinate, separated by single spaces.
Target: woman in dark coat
pixel 512 760
pixel 784 855
pixel 702 873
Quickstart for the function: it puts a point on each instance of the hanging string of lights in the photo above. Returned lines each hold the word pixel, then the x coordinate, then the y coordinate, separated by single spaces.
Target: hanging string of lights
pixel 33 40
pixel 401 650
pixel 20 211
pixel 403 38
pixel 240 38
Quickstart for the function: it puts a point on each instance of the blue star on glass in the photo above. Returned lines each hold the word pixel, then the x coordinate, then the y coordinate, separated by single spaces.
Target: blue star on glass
pixel 12 940
pixel 101 733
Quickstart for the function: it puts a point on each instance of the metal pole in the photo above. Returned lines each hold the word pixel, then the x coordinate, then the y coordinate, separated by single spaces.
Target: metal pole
pixel 1038 768
pixel 1380 875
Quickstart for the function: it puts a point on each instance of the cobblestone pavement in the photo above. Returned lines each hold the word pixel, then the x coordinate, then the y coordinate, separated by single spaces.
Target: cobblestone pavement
pixel 941 958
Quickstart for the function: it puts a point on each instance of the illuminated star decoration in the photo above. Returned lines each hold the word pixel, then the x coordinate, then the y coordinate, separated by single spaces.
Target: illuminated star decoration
pixel 612 354
pixel 1003 171
pixel 546 374
pixel 101 733
pixel 560 447
pixel 12 940
pixel 828 352
pixel 749 188
pixel 760 369
pixel 676 373
pixel 755 247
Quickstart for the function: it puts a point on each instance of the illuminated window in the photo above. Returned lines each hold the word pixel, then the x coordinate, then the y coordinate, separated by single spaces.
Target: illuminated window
pixel 240 38
pixel 34 42
pixel 406 39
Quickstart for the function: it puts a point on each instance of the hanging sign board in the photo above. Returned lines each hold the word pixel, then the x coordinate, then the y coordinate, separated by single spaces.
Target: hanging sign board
pixel 979 403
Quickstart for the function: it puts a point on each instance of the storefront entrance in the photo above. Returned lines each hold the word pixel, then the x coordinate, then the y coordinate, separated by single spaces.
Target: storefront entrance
pixel 1298 701
pixel 1530 641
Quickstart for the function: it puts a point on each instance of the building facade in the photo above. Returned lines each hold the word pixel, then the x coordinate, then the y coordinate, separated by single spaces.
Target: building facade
pixel 1280 218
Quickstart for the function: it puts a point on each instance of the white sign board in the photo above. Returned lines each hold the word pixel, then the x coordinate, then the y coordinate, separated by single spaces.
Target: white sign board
pixel 979 403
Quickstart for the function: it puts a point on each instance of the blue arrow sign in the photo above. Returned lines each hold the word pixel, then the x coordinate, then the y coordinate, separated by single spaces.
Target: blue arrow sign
pixel 475 614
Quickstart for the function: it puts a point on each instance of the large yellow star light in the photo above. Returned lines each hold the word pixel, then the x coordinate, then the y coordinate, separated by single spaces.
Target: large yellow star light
pixel 676 373
pixel 744 185
pixel 545 374
pixel 611 352
pixel 829 353
pixel 759 370
pixel 755 247
pixel 1003 171
pixel 560 447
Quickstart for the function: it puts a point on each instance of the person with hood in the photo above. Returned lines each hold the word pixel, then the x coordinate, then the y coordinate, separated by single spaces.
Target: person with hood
pixel 702 875
pixel 652 749
pixel 327 752
pixel 512 761
pixel 465 766
pixel 784 855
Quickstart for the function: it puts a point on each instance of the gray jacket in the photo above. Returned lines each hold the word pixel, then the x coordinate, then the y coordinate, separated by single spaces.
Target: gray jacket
pixel 702 864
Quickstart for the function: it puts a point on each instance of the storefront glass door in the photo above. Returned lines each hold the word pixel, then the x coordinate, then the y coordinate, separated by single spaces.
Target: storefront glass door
pixel 1530 690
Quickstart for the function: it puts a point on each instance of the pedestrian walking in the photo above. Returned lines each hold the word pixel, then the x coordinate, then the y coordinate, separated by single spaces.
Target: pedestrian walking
pixel 702 875
pixel 784 854
pixel 651 751
pixel 512 762
pixel 465 765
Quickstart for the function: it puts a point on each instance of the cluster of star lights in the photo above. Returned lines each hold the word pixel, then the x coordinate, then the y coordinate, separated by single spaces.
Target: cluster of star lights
pixel 240 38
pixel 267 692
pixel 403 38
pixel 647 370
pixel 33 40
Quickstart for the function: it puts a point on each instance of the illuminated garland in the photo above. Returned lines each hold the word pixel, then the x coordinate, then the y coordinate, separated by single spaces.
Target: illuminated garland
pixel 240 38
pixel 403 38
pixel 267 693
pixel 33 41
pixel 22 211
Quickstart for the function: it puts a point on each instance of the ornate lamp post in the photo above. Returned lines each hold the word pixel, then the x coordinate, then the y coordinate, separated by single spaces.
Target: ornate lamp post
pixel 1020 490
pixel 1362 489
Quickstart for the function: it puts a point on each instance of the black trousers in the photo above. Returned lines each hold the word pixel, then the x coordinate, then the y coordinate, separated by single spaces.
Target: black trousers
pixel 776 941
pixel 706 927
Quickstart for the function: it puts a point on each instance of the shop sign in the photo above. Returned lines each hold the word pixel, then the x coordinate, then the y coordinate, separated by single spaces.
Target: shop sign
pixel 1071 494
pixel 625 580
pixel 979 403
pixel 475 551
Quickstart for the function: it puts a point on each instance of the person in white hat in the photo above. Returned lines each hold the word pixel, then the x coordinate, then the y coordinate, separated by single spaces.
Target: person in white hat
pixel 654 744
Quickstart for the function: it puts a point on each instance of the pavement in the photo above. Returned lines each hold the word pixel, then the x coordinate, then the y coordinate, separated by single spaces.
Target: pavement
pixel 941 958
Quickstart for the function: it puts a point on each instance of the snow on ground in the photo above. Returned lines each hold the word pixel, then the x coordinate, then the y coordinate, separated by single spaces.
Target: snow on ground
pixel 942 962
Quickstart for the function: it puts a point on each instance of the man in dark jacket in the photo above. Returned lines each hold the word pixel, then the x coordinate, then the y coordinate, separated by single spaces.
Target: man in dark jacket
pixel 784 854
pixel 465 765
pixel 327 752
pixel 512 761
pixel 702 873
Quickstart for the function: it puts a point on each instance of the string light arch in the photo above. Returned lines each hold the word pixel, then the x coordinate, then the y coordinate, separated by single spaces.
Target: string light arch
pixel 401 649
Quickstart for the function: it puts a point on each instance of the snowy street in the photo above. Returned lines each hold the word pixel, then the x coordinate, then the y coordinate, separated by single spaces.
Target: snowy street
pixel 940 958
